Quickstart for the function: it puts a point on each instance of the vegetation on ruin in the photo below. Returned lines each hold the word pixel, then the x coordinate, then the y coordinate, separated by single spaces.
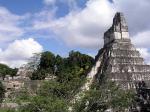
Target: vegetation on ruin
pixel 6 70
pixel 52 96
pixel 142 98
pixel 106 96
pixel 55 95
pixel 2 92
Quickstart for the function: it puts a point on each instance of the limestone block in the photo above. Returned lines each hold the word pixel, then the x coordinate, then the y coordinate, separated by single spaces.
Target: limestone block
pixel 125 35
pixel 117 35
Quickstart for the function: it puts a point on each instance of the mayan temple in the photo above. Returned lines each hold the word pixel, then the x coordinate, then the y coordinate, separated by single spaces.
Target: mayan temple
pixel 120 61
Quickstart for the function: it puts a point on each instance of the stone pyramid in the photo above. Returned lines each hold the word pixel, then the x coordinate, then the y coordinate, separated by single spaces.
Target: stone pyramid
pixel 120 61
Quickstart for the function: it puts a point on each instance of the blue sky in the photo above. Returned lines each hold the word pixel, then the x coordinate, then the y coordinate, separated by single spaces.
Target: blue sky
pixel 22 7
pixel 32 26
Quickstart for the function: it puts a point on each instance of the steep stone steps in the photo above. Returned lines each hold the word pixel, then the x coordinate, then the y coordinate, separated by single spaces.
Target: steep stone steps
pixel 90 78
pixel 127 53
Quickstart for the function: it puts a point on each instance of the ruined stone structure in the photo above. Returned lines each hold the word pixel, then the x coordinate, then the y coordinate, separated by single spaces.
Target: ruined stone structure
pixel 121 61
pixel 118 60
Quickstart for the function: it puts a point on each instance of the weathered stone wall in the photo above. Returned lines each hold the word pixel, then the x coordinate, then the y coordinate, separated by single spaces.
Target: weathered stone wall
pixel 122 62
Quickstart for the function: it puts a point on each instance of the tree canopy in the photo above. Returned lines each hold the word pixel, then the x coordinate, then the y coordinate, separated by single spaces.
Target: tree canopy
pixel 103 97
pixel 2 92
pixel 76 65
pixel 56 95
pixel 142 98
pixel 6 70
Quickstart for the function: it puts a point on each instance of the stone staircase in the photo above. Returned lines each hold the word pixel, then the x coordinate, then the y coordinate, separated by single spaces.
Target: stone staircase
pixel 122 63
pixel 117 61
pixel 89 79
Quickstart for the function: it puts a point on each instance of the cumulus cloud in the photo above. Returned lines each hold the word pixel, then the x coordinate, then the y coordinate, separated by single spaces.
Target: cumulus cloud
pixel 85 27
pixel 72 4
pixel 19 51
pixel 9 25
pixel 49 2
pixel 142 39
pixel 14 52
pixel 145 54
pixel 82 28
pixel 137 14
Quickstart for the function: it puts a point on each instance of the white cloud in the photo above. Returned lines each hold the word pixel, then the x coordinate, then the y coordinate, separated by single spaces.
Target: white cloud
pixel 142 39
pixel 18 52
pixel 72 4
pixel 82 28
pixel 9 26
pixel 145 54
pixel 137 14
pixel 14 53
pixel 85 27
pixel 49 2
pixel 142 42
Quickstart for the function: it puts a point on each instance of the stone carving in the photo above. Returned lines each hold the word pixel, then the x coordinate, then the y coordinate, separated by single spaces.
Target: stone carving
pixel 121 61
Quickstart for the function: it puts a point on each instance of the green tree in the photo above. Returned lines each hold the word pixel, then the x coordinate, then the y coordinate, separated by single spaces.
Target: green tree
pixel 75 66
pixel 2 92
pixel 48 99
pixel 45 104
pixel 106 96
pixel 5 70
pixel 142 98
pixel 45 67
pixel 38 75
pixel 13 72
pixel 47 61
pixel 82 60
pixel 7 110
